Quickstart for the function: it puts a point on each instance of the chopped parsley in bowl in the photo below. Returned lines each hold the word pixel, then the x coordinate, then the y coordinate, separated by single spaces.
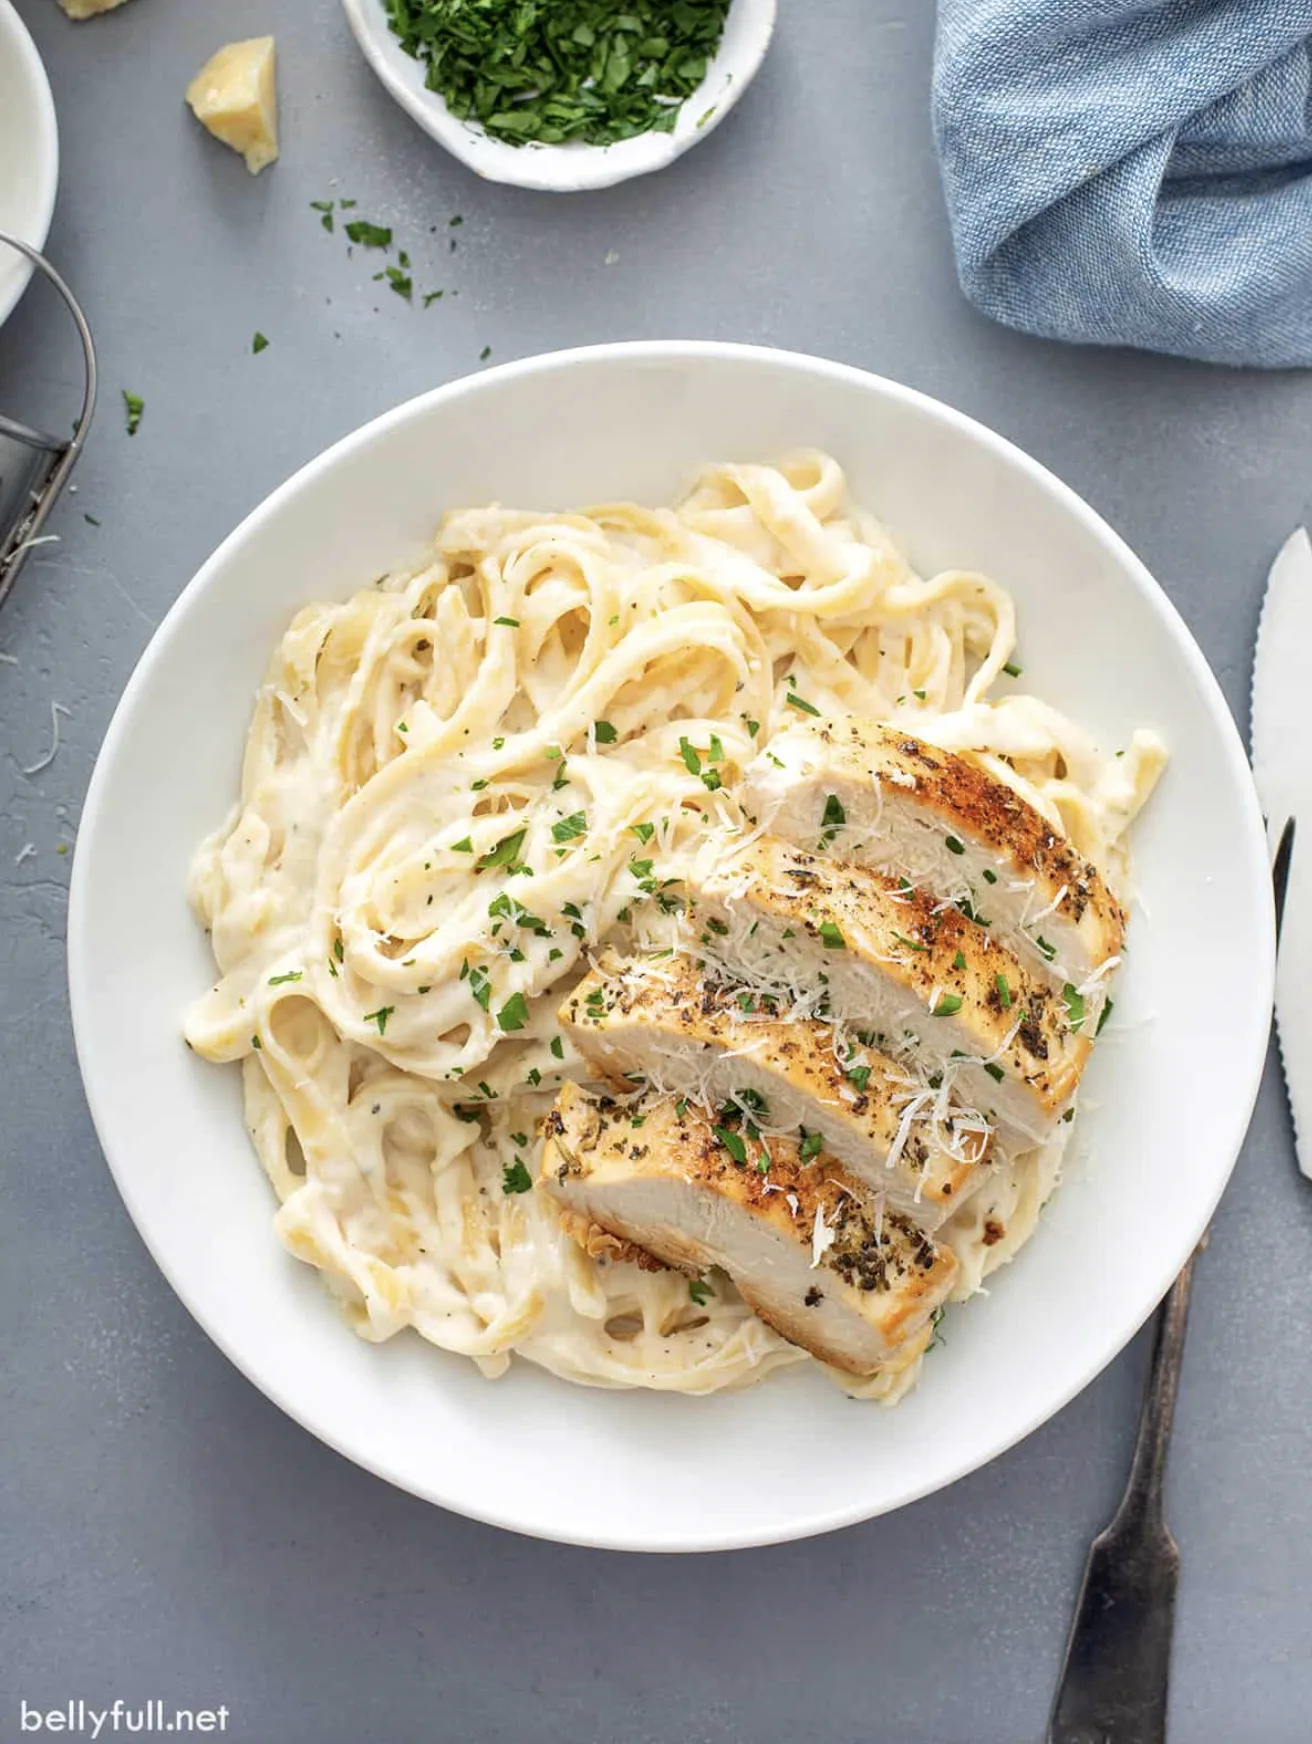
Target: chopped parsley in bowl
pixel 564 94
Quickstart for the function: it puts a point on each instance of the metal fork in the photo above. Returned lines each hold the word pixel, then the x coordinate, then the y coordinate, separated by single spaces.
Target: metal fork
pixel 1116 1673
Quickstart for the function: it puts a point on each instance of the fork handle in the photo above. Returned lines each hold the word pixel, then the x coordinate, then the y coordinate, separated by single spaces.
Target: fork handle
pixel 1114 1681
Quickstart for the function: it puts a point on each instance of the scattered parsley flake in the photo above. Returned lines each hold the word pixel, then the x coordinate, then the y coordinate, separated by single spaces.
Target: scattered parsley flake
pixel 291 975
pixel 515 1178
pixel 505 853
pixel 259 344
pixel 369 235
pixel 571 827
pixel 380 1017
pixel 133 406
pixel 732 1142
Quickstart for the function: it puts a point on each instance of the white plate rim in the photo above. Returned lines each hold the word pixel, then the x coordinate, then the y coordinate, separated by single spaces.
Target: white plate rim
pixel 47 157
pixel 1246 1061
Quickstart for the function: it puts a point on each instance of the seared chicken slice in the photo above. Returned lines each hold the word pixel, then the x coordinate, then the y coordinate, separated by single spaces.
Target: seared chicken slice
pixel 810 1250
pixel 691 1035
pixel 867 793
pixel 837 941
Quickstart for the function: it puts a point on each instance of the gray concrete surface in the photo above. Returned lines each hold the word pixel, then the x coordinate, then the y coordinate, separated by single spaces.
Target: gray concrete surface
pixel 164 1531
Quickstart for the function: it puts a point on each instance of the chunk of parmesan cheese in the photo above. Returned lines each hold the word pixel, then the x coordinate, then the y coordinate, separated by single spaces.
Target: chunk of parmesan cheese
pixel 88 8
pixel 234 95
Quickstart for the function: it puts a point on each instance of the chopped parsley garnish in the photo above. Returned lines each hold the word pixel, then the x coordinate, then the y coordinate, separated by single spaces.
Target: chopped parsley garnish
pixel 497 744
pixel 506 852
pixel 716 752
pixel 604 732
pixel 1012 670
pixel 259 344
pixel 1004 991
pixel 834 816
pixel 752 1099
pixel 954 845
pixel 513 1014
pixel 339 950
pixel 574 70
pixel 369 235
pixel 691 758
pixel 256 1043
pixel 732 1142
pixel 644 832
pixel 380 1017
pixel 510 623
pixel 515 1178
pixel 994 1071
pixel 830 937
pixel 718 926
pixel 278 980
pixel 558 1047
pixel 463 846
pixel 811 1145
pixel 990 877
pixel 1074 1005
pixel 945 1005
pixel 134 406
pixel 919 693
pixel 959 961
pixel 1049 951
pixel 480 985
pixel 700 1291
pixel 325 209
pixel 911 945
pixel 534 1077
pixel 484 354
pixel 753 727
pixel 859 1075
pixel 571 827
pixel 798 702
pixel 1104 1014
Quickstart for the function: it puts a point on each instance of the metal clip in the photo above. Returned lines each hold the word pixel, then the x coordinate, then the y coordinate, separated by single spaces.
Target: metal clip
pixel 34 466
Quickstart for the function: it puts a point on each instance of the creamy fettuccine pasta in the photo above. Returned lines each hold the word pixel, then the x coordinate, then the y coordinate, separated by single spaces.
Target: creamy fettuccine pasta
pixel 461 781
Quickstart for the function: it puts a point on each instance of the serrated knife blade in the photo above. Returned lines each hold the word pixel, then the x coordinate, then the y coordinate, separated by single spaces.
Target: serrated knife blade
pixel 1282 767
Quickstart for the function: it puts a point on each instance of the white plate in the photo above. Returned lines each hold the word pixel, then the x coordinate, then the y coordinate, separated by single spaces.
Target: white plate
pixel 1168 1101
pixel 568 169
pixel 29 153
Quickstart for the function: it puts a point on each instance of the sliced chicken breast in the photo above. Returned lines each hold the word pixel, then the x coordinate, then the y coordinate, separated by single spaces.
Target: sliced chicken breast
pixel 852 946
pixel 691 1035
pixel 870 794
pixel 809 1249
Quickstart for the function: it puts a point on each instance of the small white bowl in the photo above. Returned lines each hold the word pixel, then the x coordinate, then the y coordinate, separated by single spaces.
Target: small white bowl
pixel 29 153
pixel 1169 1093
pixel 569 169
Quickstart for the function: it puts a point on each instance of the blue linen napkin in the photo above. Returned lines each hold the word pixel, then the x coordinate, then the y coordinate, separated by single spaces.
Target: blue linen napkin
pixel 1133 172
